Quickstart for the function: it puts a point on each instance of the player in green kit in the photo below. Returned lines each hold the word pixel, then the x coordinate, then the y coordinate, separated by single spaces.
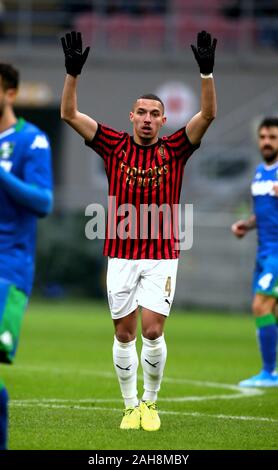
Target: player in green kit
pixel 25 195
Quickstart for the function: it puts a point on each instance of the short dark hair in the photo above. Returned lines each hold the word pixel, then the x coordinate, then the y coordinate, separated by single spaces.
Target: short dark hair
pixel 268 122
pixel 151 96
pixel 10 76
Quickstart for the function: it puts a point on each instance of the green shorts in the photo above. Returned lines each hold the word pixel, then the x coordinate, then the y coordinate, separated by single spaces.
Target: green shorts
pixel 13 303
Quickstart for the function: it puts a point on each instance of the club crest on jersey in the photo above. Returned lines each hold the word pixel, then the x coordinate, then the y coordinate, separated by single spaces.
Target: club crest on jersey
pixel 6 149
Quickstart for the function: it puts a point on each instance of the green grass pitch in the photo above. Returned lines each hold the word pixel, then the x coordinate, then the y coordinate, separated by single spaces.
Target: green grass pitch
pixel 64 394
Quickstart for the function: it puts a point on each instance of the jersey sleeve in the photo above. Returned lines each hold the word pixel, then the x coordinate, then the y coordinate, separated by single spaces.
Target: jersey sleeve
pixel 37 168
pixel 105 141
pixel 181 145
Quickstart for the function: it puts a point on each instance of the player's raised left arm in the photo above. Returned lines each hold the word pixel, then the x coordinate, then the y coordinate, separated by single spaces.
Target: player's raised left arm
pixel 204 54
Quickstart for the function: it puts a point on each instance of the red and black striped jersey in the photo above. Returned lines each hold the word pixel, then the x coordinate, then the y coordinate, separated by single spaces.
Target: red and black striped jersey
pixel 141 180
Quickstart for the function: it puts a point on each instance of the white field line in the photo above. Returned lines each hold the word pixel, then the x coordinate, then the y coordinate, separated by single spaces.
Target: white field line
pixel 22 403
pixel 180 399
pixel 240 391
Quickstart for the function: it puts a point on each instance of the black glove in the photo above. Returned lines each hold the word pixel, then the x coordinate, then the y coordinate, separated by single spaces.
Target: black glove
pixel 204 53
pixel 74 59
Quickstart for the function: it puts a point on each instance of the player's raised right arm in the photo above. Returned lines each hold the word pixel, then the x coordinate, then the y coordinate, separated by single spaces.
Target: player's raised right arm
pixel 74 61
pixel 83 124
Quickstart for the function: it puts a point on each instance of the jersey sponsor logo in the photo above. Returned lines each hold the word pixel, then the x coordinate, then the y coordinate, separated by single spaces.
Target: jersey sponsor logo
pixel 265 281
pixel 40 142
pixel 6 149
pixel 263 188
pixel 144 177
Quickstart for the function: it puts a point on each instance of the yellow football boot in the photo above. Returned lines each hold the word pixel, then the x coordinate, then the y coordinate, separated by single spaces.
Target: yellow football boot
pixel 131 418
pixel 150 420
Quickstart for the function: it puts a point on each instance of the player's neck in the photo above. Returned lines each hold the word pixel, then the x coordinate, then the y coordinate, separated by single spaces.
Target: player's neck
pixel 145 142
pixel 7 120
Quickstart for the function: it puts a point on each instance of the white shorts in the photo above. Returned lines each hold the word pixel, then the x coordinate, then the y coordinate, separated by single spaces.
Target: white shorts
pixel 148 283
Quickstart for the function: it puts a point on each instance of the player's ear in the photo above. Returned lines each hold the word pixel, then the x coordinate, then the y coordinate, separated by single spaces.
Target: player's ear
pixel 11 94
pixel 164 119
pixel 131 116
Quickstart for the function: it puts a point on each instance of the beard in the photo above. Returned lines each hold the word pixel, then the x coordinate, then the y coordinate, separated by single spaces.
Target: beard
pixel 270 157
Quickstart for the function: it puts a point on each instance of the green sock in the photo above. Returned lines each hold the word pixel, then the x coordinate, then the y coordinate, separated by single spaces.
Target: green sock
pixel 267 338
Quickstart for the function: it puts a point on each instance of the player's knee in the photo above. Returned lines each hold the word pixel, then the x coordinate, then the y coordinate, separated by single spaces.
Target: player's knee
pixel 256 308
pixel 259 308
pixel 152 332
pixel 125 336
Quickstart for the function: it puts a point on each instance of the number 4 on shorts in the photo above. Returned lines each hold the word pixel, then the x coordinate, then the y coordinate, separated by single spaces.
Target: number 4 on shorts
pixel 168 286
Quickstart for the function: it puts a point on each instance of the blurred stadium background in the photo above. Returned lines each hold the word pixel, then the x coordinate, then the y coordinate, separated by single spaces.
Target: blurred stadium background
pixel 137 47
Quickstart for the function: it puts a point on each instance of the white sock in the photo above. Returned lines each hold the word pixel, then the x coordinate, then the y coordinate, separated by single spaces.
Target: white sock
pixel 153 358
pixel 125 360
